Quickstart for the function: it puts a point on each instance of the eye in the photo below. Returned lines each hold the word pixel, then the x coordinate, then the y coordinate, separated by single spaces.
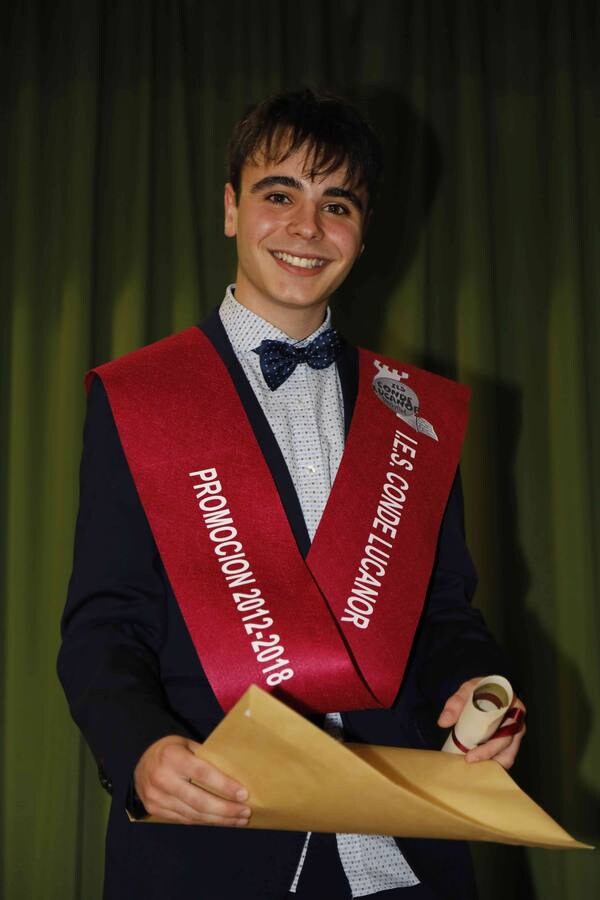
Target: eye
pixel 338 209
pixel 277 198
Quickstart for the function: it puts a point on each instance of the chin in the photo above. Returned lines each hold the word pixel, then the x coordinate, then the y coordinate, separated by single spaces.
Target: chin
pixel 296 301
pixel 293 295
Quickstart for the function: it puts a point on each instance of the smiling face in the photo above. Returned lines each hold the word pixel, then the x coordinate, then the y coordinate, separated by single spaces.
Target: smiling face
pixel 297 239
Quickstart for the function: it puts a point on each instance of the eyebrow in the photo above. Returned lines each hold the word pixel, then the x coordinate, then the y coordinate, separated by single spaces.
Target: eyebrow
pixel 289 182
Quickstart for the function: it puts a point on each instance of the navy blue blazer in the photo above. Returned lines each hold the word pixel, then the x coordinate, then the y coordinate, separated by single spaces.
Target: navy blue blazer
pixel 132 676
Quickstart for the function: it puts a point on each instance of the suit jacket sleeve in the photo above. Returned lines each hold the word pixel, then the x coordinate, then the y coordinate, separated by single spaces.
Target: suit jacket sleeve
pixel 453 642
pixel 114 620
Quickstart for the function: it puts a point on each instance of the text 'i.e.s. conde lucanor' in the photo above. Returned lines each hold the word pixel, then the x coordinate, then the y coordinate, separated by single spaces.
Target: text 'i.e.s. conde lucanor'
pixel 377 553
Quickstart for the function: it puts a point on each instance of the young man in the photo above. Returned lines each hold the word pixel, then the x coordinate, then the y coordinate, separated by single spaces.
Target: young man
pixel 208 464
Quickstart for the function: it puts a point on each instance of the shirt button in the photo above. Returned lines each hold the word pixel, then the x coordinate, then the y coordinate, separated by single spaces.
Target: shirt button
pixel 310 468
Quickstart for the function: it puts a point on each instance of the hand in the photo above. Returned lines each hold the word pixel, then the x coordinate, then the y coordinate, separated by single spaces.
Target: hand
pixel 163 780
pixel 502 749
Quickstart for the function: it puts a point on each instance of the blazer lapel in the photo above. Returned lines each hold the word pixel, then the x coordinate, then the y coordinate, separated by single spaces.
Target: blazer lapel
pixel 347 366
pixel 214 330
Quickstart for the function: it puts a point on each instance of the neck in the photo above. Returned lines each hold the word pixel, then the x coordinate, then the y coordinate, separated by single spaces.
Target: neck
pixel 296 323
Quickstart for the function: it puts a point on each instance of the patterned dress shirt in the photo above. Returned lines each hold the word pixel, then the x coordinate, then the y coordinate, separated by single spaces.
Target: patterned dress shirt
pixel 306 416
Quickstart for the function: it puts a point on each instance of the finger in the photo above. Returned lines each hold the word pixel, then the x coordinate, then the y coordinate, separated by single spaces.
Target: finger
pixel 204 817
pixel 512 722
pixel 211 779
pixel 165 814
pixel 454 704
pixel 179 764
pixel 177 793
pixel 507 757
pixel 205 803
pixel 502 750
pixel 504 745
pixel 181 814
pixel 489 750
pixel 222 821
pixel 195 805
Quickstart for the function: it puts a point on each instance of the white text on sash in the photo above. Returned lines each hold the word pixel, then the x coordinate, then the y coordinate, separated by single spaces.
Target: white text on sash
pixel 237 572
pixel 376 555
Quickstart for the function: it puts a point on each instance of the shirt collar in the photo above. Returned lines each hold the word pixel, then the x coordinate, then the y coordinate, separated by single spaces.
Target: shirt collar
pixel 245 329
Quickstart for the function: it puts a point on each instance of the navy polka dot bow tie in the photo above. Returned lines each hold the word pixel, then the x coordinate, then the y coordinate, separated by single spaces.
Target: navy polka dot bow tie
pixel 278 359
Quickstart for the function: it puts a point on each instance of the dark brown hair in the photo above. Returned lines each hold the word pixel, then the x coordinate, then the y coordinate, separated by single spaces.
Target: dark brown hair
pixel 331 129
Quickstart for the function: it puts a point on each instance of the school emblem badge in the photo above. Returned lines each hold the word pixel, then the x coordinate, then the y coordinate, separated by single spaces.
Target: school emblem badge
pixel 389 385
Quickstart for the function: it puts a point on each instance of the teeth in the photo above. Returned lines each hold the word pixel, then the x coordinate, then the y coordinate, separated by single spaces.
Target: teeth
pixel 301 261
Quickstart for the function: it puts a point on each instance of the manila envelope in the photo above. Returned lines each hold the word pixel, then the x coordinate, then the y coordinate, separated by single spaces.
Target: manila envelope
pixel 301 779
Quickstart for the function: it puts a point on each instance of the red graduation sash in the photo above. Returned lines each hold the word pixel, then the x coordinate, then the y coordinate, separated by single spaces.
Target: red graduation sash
pixel 334 631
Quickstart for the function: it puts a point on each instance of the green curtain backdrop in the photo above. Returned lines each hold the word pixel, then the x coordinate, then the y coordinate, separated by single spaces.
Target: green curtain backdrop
pixel 482 262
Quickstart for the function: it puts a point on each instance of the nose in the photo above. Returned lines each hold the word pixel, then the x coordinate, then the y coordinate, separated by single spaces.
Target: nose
pixel 305 221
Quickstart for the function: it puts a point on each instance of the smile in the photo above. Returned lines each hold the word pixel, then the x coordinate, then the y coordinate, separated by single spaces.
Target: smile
pixel 301 262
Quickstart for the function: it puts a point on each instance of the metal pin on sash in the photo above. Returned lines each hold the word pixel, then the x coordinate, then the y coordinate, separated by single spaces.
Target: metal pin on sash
pixel 389 386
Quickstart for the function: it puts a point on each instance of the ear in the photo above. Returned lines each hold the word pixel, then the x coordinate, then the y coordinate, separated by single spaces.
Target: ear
pixel 231 211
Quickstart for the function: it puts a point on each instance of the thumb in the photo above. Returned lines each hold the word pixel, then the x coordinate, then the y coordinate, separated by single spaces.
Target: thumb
pixel 447 718
pixel 454 705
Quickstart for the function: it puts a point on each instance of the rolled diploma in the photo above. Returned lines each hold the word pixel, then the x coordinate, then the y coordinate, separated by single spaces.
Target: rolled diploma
pixel 482 714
